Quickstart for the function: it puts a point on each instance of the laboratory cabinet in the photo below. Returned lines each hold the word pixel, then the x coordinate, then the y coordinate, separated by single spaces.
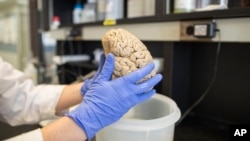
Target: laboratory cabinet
pixel 192 66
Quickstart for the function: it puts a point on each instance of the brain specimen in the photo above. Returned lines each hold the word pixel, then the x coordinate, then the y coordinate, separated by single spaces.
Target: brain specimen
pixel 130 53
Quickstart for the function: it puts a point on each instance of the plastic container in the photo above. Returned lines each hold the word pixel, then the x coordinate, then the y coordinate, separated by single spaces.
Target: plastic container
pixel 55 23
pixel 114 9
pixel 168 6
pixel 140 8
pixel 153 120
pixel 184 6
pixel 135 8
pixel 77 13
pixel 89 13
pixel 101 9
pixel 149 7
pixel 203 5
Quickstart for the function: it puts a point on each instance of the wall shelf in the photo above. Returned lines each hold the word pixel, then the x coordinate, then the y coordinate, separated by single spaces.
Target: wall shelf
pixel 215 14
pixel 231 30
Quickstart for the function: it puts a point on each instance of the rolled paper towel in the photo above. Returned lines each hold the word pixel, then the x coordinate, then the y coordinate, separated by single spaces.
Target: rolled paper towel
pixel 130 53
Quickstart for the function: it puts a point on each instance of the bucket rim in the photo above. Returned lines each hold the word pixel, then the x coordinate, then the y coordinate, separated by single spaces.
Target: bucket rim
pixel 158 123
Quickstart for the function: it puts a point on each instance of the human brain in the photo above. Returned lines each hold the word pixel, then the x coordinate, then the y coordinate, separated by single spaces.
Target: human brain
pixel 130 53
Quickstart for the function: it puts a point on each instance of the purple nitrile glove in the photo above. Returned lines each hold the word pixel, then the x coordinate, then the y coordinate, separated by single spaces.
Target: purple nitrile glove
pixel 108 100
pixel 88 82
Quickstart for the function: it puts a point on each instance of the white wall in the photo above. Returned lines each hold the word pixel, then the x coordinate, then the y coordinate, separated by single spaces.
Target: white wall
pixel 14 41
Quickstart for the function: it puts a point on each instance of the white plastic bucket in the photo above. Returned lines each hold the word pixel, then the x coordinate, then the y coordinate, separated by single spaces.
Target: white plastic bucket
pixel 153 120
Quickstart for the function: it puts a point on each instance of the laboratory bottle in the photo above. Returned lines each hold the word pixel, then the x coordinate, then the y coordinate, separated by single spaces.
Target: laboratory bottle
pixel 89 12
pixel 224 3
pixel 149 7
pixel 135 8
pixel 77 13
pixel 211 4
pixel 216 2
pixel 184 6
pixel 101 9
pixel 55 23
pixel 114 9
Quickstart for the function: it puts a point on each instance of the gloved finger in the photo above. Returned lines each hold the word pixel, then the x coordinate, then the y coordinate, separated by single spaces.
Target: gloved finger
pixel 145 96
pixel 139 74
pixel 148 84
pixel 108 67
pixel 101 63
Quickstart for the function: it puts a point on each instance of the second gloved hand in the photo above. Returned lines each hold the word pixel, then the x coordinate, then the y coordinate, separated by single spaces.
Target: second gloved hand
pixel 88 82
pixel 108 100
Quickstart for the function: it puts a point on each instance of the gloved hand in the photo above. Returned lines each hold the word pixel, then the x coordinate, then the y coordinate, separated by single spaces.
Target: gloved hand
pixel 88 82
pixel 108 100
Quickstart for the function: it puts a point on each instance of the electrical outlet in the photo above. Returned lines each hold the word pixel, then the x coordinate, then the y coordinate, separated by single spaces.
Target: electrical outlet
pixel 202 30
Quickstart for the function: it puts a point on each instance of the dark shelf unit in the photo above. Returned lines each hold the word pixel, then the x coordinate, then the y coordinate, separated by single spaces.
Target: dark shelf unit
pixel 64 10
pixel 215 14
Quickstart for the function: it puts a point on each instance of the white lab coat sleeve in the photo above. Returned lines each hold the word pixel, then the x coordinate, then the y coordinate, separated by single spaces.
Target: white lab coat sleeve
pixel 28 136
pixel 23 103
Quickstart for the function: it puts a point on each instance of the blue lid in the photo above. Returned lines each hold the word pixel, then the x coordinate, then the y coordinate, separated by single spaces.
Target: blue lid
pixel 78 6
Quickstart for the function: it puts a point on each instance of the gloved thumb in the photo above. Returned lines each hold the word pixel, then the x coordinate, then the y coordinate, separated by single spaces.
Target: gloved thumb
pixel 108 68
pixel 101 63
